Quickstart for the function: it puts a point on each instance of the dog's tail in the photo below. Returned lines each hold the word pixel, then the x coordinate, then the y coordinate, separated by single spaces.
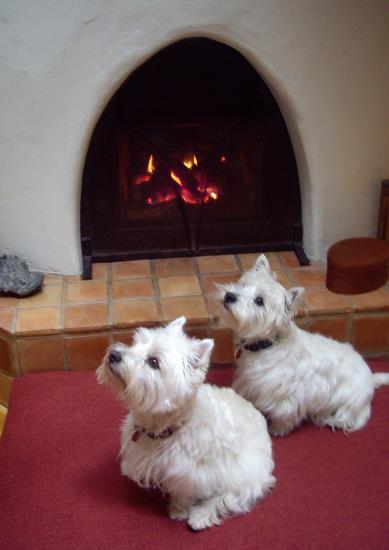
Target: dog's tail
pixel 380 379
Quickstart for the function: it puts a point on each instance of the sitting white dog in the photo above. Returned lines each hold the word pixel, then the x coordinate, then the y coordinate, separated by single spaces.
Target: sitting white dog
pixel 288 374
pixel 205 446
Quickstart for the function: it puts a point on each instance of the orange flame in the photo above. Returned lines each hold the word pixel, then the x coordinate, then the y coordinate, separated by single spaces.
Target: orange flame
pixel 176 179
pixel 145 178
pixel 185 193
pixel 150 165
pixel 190 162
pixel 211 192
pixel 205 191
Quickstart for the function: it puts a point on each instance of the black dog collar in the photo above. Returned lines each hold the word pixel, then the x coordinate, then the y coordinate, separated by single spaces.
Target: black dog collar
pixel 254 347
pixel 258 345
pixel 162 435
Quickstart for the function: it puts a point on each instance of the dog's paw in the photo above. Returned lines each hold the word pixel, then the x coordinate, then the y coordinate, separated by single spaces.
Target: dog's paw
pixel 200 517
pixel 279 429
pixel 199 520
pixel 178 513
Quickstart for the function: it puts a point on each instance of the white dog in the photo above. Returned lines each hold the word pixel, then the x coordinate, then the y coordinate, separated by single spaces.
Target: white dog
pixel 288 374
pixel 205 446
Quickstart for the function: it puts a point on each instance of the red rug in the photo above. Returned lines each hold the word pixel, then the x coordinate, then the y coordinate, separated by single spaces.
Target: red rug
pixel 61 488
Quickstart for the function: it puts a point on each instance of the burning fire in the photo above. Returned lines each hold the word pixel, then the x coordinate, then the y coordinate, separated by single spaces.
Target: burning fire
pixel 150 165
pixel 176 179
pixel 203 192
pixel 189 163
pixel 145 178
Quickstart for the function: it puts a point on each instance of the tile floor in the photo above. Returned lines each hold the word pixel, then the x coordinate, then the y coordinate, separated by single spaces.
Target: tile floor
pixel 69 324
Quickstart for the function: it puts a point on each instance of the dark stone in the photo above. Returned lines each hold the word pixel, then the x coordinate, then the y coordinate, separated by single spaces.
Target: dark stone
pixel 16 279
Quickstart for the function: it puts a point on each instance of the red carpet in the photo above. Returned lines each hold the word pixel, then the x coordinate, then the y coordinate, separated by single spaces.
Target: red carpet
pixel 61 488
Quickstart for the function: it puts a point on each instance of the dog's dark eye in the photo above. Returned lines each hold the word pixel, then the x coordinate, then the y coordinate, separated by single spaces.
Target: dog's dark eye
pixel 153 362
pixel 258 300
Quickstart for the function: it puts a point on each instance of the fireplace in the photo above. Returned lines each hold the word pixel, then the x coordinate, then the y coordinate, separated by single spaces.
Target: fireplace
pixel 191 156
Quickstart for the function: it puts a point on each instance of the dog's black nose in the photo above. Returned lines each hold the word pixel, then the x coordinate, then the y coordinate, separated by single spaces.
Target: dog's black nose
pixel 229 298
pixel 114 357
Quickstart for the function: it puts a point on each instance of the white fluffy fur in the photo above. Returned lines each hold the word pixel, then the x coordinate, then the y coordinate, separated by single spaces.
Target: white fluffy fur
pixel 218 460
pixel 302 376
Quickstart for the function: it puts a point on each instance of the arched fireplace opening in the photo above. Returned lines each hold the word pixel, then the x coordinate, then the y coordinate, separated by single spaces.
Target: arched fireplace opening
pixel 191 156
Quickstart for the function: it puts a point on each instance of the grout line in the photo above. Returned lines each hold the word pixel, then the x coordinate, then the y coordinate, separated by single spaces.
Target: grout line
pixel 87 302
pixel 287 275
pixel 81 335
pixel 41 306
pixel 200 281
pixel 157 294
pixel 367 314
pixel 350 302
pixel 67 336
pixel 62 304
pixel 39 332
pixel 108 282
pixel 203 294
pixel 111 339
pixel 16 356
pixel 14 321
pixel 84 282
pixel 131 279
pixel 219 273
pixel 180 296
pixel 239 263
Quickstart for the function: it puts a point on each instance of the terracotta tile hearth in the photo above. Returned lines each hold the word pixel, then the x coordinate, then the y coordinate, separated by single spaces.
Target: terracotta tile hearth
pixel 71 322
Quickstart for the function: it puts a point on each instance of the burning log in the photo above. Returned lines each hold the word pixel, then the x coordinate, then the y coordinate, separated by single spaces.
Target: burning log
pixel 178 171
pixel 166 178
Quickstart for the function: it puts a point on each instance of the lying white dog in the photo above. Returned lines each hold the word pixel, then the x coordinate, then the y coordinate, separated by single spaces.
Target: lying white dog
pixel 205 446
pixel 288 374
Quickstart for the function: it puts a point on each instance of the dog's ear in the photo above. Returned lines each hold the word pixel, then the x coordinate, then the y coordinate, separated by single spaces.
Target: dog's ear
pixel 177 324
pixel 293 297
pixel 203 350
pixel 262 264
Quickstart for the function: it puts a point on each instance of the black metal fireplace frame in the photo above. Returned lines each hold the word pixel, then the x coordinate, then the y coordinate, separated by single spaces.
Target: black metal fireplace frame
pixel 89 256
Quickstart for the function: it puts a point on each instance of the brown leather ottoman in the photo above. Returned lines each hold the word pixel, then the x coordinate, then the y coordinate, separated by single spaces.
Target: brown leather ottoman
pixel 357 265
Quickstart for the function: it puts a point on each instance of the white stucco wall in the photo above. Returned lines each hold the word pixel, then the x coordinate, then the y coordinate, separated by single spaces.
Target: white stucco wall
pixel 325 60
